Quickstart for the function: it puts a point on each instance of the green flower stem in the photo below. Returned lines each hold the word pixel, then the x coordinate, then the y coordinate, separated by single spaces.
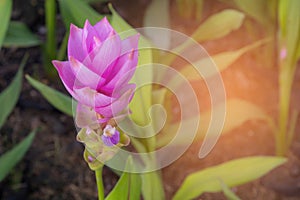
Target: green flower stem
pixel 50 46
pixel 61 54
pixel 99 182
pixel 285 88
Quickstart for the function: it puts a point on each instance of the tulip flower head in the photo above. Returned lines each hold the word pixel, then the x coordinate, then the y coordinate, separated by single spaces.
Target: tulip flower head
pixel 97 73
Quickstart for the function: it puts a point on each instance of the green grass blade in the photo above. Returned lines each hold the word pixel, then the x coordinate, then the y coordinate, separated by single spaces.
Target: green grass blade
pixel 228 193
pixel 128 186
pixel 77 11
pixel 208 180
pixel 18 35
pixel 59 100
pixel 9 159
pixel 9 97
pixel 222 60
pixel 5 10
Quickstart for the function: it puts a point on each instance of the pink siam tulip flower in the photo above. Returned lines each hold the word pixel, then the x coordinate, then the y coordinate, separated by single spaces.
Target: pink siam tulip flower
pixel 98 70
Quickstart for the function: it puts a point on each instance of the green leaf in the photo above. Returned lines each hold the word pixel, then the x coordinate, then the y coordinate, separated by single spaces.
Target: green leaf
pixel 152 187
pixel 238 111
pixel 257 9
pixel 59 100
pixel 289 19
pixel 128 186
pixel 5 10
pixel 157 15
pixel 207 180
pixel 10 95
pixel 9 159
pixel 215 27
pixel 141 101
pixel 18 35
pixel 76 12
pixel 222 60
pixel 228 193
pixel 219 25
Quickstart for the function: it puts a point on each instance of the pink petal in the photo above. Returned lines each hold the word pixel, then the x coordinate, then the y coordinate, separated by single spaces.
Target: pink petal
pixel 91 98
pixel 90 34
pixel 75 43
pixel 117 105
pixel 130 43
pixel 106 54
pixel 84 76
pixel 121 72
pixel 66 74
pixel 103 29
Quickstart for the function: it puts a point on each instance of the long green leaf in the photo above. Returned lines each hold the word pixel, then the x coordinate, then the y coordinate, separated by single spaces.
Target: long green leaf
pixel 141 101
pixel 18 35
pixel 152 187
pixel 257 9
pixel 12 157
pixel 128 186
pixel 215 27
pixel 5 10
pixel 219 25
pixel 228 193
pixel 59 100
pixel 207 180
pixel 76 12
pixel 222 60
pixel 10 95
pixel 238 111
pixel 157 15
pixel 289 19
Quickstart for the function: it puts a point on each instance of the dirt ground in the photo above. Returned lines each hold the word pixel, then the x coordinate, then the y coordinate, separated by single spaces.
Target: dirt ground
pixel 54 167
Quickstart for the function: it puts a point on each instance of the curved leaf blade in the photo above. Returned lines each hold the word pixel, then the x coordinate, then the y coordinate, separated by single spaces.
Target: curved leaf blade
pixel 5 10
pixel 77 11
pixel 59 100
pixel 12 157
pixel 128 186
pixel 222 60
pixel 10 95
pixel 18 35
pixel 208 180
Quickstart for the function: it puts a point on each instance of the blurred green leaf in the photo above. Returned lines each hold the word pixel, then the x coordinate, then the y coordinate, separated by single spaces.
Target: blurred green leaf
pixel 222 60
pixel 77 11
pixel 157 15
pixel 219 25
pixel 227 192
pixel 5 10
pixel 289 19
pixel 128 186
pixel 190 8
pixel 215 27
pixel 152 187
pixel 238 111
pixel 207 180
pixel 141 101
pixel 18 35
pixel 59 100
pixel 9 159
pixel 257 9
pixel 10 95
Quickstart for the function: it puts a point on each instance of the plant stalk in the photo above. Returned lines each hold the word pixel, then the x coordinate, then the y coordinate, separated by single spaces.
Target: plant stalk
pixel 99 182
pixel 50 48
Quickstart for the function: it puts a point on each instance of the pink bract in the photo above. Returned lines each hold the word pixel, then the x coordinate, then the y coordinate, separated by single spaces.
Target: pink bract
pixel 100 65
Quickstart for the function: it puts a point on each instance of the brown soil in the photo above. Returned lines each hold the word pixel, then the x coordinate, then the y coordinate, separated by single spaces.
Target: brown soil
pixel 53 168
